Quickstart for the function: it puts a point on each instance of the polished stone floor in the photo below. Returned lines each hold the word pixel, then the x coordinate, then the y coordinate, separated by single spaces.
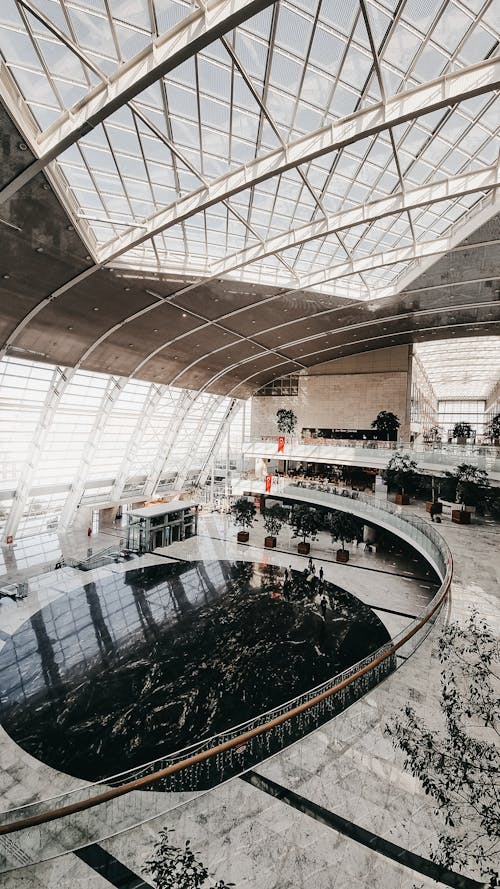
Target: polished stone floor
pixel 143 662
pixel 348 765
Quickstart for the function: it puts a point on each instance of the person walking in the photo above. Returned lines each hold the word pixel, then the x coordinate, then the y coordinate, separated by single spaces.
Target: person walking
pixel 323 604
pixel 321 574
pixel 89 531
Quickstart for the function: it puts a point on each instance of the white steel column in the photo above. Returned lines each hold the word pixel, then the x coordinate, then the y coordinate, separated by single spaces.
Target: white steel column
pixel 154 397
pixel 229 416
pixel 183 407
pixel 58 385
pixel 206 416
pixel 112 392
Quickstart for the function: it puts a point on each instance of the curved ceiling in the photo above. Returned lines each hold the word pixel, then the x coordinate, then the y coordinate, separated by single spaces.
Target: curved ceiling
pixel 217 195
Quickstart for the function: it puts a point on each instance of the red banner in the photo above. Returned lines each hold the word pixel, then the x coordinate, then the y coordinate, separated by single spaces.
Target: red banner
pixel 281 444
pixel 269 480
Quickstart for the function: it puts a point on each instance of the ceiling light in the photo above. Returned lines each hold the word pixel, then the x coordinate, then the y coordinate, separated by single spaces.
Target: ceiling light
pixel 6 277
pixel 70 328
pixel 131 345
pixel 95 309
pixel 126 289
pixel 155 330
pixel 184 315
pixel 39 249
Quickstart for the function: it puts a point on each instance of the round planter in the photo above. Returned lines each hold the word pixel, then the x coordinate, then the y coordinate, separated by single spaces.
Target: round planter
pixel 402 499
pixel 270 542
pixel 342 555
pixel 243 536
pixel 460 516
pixel 303 549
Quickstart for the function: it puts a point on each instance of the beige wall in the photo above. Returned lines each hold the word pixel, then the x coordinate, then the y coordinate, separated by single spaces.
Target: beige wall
pixel 346 393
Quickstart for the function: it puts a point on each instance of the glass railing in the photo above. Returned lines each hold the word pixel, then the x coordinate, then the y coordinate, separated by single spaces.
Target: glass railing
pixel 426 455
pixel 94 812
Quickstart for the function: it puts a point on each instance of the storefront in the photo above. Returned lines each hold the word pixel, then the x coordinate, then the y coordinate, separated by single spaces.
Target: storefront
pixel 161 525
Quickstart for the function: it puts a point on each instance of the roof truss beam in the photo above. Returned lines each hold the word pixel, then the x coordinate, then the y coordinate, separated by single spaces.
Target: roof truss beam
pixel 443 92
pixel 129 79
pixel 425 195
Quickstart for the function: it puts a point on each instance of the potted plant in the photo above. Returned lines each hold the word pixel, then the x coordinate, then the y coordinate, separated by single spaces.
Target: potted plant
pixel 274 519
pixel 494 429
pixel 387 423
pixel 286 421
pixel 305 522
pixel 343 527
pixel 243 512
pixel 401 473
pixel 462 431
pixel 471 488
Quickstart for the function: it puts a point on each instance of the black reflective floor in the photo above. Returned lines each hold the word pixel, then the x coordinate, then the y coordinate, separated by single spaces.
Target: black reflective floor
pixel 143 663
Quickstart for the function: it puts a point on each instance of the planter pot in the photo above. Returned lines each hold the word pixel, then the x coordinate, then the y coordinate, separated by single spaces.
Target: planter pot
pixel 270 542
pixel 243 536
pixel 342 555
pixel 303 549
pixel 460 516
pixel 438 507
pixel 402 499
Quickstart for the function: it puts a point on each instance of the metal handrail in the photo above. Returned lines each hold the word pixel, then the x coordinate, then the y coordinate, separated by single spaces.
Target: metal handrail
pixel 288 712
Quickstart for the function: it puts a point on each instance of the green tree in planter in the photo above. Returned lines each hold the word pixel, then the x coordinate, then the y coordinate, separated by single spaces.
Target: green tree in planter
pixel 494 428
pixel 305 522
pixel 462 430
pixel 173 867
pixel 401 473
pixel 243 512
pixel 387 423
pixel 458 764
pixel 469 484
pixel 286 421
pixel 274 519
pixel 343 527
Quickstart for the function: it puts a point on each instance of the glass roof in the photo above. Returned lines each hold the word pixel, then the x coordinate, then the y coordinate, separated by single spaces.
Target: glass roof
pixel 283 74
pixel 461 367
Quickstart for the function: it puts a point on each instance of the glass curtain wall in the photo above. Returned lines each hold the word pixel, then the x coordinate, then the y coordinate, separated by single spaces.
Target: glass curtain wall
pixel 49 434
pixel 467 411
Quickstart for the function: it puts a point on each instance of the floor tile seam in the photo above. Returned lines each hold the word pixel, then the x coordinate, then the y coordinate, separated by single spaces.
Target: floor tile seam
pixel 353 831
pixel 285 552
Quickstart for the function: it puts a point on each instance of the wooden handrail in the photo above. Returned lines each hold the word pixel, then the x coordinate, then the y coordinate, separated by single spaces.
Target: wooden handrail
pixel 139 783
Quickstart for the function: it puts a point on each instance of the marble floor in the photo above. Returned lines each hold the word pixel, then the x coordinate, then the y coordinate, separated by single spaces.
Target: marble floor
pixel 347 766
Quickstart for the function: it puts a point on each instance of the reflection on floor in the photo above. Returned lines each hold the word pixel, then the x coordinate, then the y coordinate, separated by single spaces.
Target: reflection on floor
pixel 143 662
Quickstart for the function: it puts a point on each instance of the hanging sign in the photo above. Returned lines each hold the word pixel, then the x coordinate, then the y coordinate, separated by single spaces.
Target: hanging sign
pixel 269 481
pixel 281 444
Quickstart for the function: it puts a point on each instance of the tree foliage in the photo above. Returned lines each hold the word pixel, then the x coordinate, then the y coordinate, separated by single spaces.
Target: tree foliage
pixel 494 427
pixel 386 422
pixel 286 421
pixel 462 430
pixel 173 867
pixel 468 485
pixel 401 472
pixel 343 526
pixel 305 522
pixel 243 512
pixel 274 519
pixel 459 765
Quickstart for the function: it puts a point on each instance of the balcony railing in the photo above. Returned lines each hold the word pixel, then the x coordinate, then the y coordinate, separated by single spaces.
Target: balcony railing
pixel 93 812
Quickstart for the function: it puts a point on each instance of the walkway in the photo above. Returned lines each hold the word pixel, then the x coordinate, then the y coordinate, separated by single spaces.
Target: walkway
pixel 347 768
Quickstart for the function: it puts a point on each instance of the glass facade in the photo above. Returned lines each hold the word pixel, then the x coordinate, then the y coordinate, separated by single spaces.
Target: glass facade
pixel 153 438
pixel 288 72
